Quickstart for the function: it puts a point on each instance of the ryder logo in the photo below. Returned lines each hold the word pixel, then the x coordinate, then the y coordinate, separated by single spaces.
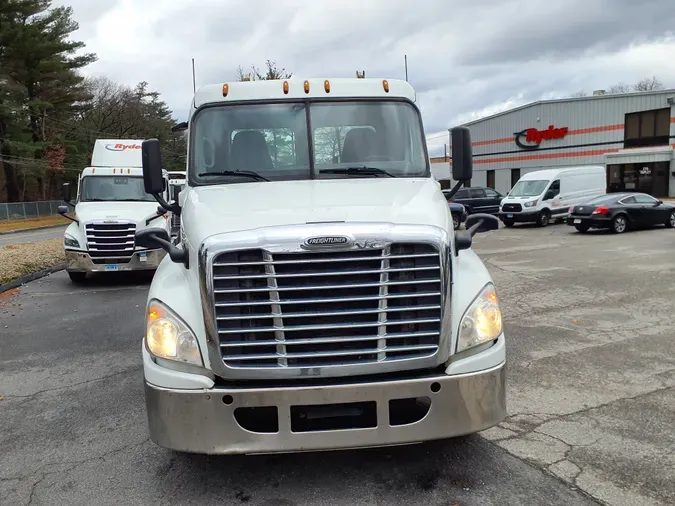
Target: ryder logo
pixel 121 147
pixel 534 137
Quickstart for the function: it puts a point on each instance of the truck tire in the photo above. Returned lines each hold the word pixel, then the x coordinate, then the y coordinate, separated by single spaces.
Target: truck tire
pixel 77 277
pixel 508 223
pixel 582 228
pixel 544 218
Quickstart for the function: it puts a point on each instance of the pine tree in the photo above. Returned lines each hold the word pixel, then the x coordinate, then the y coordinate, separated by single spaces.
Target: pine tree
pixel 39 68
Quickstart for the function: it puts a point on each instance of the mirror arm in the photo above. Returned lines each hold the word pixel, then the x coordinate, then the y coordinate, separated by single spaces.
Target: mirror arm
pixel 70 204
pixel 71 218
pixel 454 190
pixel 463 240
pixel 173 207
pixel 177 255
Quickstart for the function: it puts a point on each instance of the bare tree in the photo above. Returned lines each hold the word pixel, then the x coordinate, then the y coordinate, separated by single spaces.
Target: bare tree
pixel 619 88
pixel 271 72
pixel 579 94
pixel 648 84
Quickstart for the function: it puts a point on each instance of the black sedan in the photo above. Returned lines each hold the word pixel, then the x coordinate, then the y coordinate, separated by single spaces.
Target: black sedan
pixel 620 211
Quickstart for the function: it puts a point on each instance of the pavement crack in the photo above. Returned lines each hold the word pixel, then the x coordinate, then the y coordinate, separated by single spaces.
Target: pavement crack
pixel 64 387
pixel 34 487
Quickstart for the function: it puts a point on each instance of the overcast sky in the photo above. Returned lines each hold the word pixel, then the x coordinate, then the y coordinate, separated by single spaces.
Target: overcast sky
pixel 465 59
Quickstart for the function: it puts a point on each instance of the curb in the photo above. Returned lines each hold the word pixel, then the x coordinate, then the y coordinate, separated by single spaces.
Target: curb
pixel 15 283
pixel 31 229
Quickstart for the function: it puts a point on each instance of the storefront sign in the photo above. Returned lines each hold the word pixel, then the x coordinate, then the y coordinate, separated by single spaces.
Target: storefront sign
pixel 533 137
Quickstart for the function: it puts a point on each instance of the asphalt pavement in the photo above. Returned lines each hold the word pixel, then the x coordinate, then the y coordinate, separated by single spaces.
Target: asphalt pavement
pixel 32 236
pixel 591 396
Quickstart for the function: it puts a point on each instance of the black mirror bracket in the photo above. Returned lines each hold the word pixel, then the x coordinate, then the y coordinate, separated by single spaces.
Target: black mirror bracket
pixel 173 207
pixel 483 223
pixel 463 240
pixel 454 190
pixel 177 255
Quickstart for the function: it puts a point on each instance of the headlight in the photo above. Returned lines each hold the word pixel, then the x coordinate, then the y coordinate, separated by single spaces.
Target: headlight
pixel 168 337
pixel 482 322
pixel 531 204
pixel 70 241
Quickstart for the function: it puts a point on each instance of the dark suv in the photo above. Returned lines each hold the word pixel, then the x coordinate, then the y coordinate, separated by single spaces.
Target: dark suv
pixel 477 199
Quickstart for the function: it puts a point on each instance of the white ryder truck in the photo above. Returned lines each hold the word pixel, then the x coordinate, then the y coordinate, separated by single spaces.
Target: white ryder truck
pixel 318 297
pixel 111 206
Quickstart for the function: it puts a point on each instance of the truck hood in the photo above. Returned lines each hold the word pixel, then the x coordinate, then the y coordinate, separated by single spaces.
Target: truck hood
pixel 219 209
pixel 131 211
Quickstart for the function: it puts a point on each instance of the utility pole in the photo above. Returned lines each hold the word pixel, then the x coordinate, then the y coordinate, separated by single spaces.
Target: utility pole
pixel 406 66
pixel 194 83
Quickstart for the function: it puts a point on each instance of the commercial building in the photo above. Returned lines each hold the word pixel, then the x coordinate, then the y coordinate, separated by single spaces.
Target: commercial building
pixel 631 134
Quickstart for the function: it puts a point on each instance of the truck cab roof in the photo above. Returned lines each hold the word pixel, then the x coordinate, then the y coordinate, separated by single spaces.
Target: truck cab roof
pixel 298 88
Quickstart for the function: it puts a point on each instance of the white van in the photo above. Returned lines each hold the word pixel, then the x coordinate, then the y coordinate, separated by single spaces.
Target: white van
pixel 544 195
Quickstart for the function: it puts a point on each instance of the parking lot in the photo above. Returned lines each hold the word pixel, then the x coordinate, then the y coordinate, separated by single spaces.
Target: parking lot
pixel 591 398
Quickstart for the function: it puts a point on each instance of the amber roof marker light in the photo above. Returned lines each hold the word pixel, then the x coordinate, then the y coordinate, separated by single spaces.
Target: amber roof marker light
pixel 326 86
pixel 226 89
pixel 385 85
pixel 306 86
pixel 285 87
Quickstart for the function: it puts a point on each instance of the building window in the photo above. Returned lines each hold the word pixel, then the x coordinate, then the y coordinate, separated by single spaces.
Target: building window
pixel 491 179
pixel 515 176
pixel 647 128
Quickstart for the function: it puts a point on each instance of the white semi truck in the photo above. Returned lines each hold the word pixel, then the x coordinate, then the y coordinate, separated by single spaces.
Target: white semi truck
pixel 111 205
pixel 318 297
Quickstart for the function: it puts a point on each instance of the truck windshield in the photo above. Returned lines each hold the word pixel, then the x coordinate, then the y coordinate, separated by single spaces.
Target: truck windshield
pixel 349 139
pixel 113 188
pixel 528 188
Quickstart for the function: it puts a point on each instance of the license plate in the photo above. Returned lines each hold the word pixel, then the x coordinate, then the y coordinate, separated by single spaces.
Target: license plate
pixel 509 216
pixel 143 256
pixel 577 221
pixel 111 267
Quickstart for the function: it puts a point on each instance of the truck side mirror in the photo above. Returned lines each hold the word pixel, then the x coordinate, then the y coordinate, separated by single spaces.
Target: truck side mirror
pixel 153 178
pixel 63 211
pixel 65 191
pixel 462 154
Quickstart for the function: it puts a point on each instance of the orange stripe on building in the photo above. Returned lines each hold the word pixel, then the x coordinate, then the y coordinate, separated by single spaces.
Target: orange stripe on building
pixel 544 156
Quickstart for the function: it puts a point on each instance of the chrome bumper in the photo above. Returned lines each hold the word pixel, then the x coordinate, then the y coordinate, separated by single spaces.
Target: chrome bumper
pixel 80 261
pixel 203 421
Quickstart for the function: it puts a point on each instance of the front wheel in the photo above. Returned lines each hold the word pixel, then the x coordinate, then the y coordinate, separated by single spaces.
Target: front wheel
pixel 77 277
pixel 619 224
pixel 508 223
pixel 671 220
pixel 544 218
pixel 582 228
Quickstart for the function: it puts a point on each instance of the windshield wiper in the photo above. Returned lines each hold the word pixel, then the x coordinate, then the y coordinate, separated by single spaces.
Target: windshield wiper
pixel 362 170
pixel 244 173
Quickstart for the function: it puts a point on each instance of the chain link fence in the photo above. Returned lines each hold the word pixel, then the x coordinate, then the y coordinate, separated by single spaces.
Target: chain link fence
pixel 28 210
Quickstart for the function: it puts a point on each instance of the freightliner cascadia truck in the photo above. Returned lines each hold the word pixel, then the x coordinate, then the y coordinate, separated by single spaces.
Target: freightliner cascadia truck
pixel 111 206
pixel 317 296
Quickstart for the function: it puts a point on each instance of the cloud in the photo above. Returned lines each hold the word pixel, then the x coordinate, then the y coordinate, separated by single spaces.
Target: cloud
pixel 465 59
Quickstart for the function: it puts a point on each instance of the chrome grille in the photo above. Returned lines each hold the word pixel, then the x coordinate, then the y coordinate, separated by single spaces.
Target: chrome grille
pixel 318 309
pixel 110 239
